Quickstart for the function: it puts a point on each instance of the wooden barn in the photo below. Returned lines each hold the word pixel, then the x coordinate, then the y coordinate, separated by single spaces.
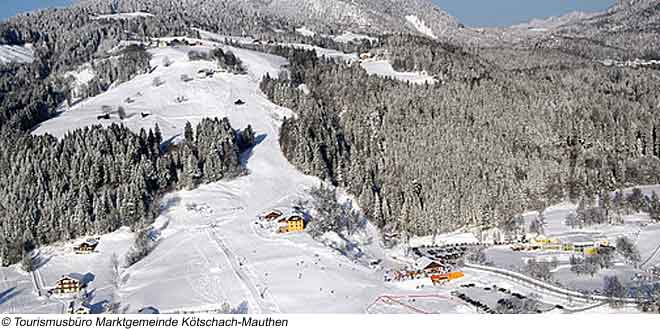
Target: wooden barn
pixel 86 247
pixel 429 266
pixel 271 215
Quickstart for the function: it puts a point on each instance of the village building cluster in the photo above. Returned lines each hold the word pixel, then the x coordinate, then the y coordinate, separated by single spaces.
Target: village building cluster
pixel 423 268
pixel 440 264
pixel 542 243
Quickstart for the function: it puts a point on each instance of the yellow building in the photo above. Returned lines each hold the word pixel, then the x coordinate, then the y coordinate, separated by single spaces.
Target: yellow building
pixel 553 247
pixel 291 224
pixel 590 251
pixel 542 240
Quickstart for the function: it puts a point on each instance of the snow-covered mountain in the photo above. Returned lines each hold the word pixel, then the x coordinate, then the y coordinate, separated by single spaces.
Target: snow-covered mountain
pixel 370 16
pixel 365 15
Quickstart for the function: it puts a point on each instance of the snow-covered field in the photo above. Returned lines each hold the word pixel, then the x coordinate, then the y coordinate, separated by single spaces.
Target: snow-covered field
pixel 18 54
pixel 383 68
pixel 206 97
pixel 121 16
pixel 81 78
pixel 352 37
pixel 305 31
pixel 637 227
pixel 421 26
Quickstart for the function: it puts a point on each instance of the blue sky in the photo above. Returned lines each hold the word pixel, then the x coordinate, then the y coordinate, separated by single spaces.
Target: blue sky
pixel 509 12
pixel 469 12
pixel 10 8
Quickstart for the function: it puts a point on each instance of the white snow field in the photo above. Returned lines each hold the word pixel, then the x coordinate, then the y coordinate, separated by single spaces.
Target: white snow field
pixel 17 54
pixel 81 77
pixel 347 37
pixel 121 16
pixel 383 68
pixel 421 26
pixel 305 31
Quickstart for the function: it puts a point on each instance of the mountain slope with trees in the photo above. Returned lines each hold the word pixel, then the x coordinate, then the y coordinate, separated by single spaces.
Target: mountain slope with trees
pixel 470 152
pixel 507 129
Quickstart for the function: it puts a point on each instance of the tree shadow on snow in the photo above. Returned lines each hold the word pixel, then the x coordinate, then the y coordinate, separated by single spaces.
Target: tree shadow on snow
pixel 88 278
pixel 39 260
pixel 245 156
pixel 98 307
pixel 165 145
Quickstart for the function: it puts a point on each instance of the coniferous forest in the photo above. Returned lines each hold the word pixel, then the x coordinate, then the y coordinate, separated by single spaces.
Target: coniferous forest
pixel 96 180
pixel 493 138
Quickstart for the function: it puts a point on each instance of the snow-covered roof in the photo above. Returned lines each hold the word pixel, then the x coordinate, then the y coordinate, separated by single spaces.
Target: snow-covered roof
pixel 278 211
pixel 149 310
pixel 288 215
pixel 425 262
pixel 584 243
pixel 74 276
pixel 92 241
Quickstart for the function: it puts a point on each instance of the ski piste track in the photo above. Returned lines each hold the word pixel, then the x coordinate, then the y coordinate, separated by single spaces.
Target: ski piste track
pixel 256 299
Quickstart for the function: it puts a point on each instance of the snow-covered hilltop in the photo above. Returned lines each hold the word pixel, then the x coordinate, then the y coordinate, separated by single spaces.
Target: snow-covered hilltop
pixel 16 54
pixel 121 16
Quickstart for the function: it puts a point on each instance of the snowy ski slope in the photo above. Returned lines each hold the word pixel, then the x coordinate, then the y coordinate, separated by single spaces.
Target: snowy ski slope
pixel 383 68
